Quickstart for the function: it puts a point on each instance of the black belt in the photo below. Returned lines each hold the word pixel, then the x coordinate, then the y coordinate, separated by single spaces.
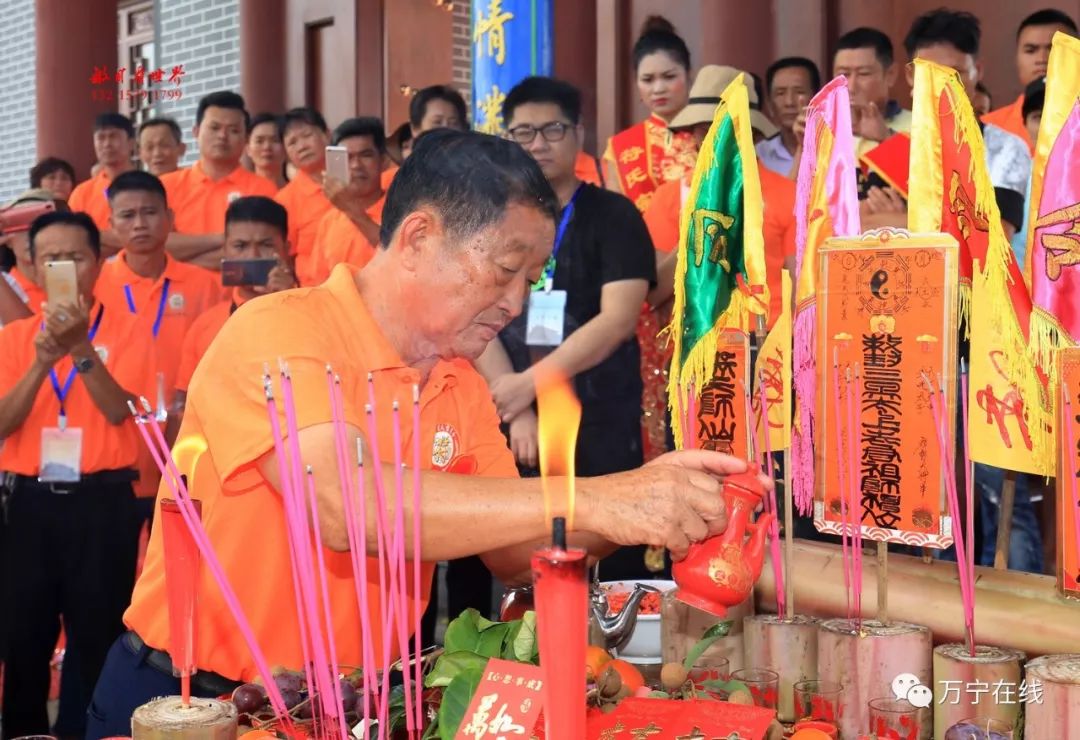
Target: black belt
pixel 86 481
pixel 205 682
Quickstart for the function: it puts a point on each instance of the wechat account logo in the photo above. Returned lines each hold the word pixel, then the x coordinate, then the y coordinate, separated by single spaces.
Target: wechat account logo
pixel 907 686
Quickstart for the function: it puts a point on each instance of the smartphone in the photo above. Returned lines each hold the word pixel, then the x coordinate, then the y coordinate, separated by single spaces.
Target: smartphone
pixel 337 163
pixel 18 218
pixel 61 283
pixel 246 272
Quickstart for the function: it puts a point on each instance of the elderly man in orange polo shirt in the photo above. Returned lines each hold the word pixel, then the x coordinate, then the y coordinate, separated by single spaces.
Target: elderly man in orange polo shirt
pixel 468 227
pixel 68 463
pixel 200 194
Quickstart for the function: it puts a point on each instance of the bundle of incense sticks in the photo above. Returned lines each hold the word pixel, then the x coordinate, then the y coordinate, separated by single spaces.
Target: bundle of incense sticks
pixel 159 451
pixel 854 506
pixel 770 500
pixel 948 457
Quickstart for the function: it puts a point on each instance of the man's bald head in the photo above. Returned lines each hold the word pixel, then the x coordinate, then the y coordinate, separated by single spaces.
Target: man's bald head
pixel 469 179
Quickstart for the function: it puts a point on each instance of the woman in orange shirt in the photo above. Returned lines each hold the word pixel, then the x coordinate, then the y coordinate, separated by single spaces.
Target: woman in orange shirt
pixel 637 161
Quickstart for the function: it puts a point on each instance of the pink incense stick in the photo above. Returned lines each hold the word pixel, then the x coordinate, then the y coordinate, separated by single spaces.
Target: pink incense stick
pixel 770 503
pixel 683 419
pixel 288 501
pixel 856 498
pixel 841 479
pixel 969 494
pixel 399 563
pixel 938 411
pixel 326 683
pixel 849 493
pixel 1070 435
pixel 691 416
pixel 968 568
pixel 418 679
pixel 751 440
pixel 160 452
pixel 387 574
pixel 356 533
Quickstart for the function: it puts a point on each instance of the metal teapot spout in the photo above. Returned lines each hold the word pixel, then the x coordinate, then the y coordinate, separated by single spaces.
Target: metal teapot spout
pixel 619 628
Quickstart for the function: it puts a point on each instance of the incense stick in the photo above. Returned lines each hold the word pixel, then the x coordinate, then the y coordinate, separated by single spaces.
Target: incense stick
pixel 356 533
pixel 288 504
pixel 840 479
pixel 418 682
pixel 969 495
pixel 399 564
pixel 751 438
pixel 770 502
pixel 855 508
pixel 159 451
pixel 789 536
pixel 691 415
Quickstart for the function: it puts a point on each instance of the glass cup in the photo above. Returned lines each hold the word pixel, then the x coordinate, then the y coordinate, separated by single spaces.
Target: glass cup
pixel 817 701
pixel 763 684
pixel 710 668
pixel 980 728
pixel 894 719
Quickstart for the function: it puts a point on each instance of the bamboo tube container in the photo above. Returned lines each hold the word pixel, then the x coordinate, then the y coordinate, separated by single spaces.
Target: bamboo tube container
pixel 682 625
pixel 1057 715
pixel 789 647
pixel 955 669
pixel 167 719
pixel 866 662
pixel 1007 602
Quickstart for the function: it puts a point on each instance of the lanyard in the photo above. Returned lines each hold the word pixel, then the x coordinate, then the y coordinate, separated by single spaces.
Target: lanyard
pixel 160 308
pixel 62 393
pixel 547 278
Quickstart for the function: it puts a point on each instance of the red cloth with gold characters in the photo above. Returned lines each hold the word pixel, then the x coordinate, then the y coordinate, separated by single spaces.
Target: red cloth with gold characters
pixel 645 156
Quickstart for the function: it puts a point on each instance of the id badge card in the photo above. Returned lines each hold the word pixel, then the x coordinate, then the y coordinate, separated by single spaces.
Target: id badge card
pixel 61 455
pixel 547 310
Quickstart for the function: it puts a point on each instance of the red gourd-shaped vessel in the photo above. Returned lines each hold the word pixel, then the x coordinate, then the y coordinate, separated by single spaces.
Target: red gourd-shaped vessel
pixel 721 571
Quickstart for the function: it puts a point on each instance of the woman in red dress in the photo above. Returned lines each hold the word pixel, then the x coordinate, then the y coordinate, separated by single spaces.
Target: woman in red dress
pixel 637 161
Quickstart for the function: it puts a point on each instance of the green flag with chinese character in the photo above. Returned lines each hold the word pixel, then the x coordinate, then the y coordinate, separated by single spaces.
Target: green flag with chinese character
pixel 720 273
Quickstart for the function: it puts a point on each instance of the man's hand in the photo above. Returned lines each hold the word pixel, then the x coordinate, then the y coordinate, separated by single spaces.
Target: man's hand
pixel 881 201
pixel 869 122
pixel 349 197
pixel 68 324
pixel 513 393
pixel 48 350
pixel 799 127
pixel 671 502
pixel 524 438
pixel 280 278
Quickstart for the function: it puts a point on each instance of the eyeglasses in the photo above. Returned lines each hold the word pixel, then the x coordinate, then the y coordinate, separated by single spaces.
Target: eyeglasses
pixel 552 132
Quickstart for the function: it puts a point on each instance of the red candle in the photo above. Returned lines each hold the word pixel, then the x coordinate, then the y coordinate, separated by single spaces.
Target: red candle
pixel 559 580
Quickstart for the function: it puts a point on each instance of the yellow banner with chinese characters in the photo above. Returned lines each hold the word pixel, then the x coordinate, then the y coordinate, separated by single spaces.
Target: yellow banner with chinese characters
pixel 773 370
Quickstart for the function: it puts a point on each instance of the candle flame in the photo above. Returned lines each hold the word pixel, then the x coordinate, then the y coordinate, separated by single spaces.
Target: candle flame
pixel 186 453
pixel 559 420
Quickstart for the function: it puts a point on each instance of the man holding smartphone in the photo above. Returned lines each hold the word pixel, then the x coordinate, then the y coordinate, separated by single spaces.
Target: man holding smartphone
pixel 68 463
pixel 349 233
pixel 306 137
pixel 256 230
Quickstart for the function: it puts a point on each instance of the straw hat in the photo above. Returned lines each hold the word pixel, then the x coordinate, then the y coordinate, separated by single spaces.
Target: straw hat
pixel 35 195
pixel 711 80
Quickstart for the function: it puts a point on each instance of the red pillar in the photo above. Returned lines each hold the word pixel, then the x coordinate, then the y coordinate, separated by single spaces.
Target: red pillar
pixel 262 55
pixel 72 39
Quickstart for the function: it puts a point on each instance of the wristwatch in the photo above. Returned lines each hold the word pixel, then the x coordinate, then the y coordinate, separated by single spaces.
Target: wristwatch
pixel 83 365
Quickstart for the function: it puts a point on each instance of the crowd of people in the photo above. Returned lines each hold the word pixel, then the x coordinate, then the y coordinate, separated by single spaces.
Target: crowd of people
pixel 469 265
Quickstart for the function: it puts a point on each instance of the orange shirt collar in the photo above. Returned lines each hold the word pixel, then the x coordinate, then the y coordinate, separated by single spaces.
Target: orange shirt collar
pixel 378 353
pixel 129 276
pixel 234 177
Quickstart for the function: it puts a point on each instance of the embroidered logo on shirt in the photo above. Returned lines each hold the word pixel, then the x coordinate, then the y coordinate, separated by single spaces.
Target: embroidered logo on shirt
pixel 445 446
pixel 176 302
pixel 233 196
pixel 103 354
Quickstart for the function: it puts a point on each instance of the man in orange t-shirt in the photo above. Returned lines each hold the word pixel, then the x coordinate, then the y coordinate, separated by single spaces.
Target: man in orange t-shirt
pixel 68 457
pixel 200 194
pixel 1033 40
pixel 468 210
pixel 306 137
pixel 255 228
pixel 165 294
pixel 664 211
pixel 114 144
pixel 349 232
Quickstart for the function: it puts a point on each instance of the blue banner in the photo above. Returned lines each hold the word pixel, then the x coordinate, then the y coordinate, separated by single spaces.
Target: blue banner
pixel 511 41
